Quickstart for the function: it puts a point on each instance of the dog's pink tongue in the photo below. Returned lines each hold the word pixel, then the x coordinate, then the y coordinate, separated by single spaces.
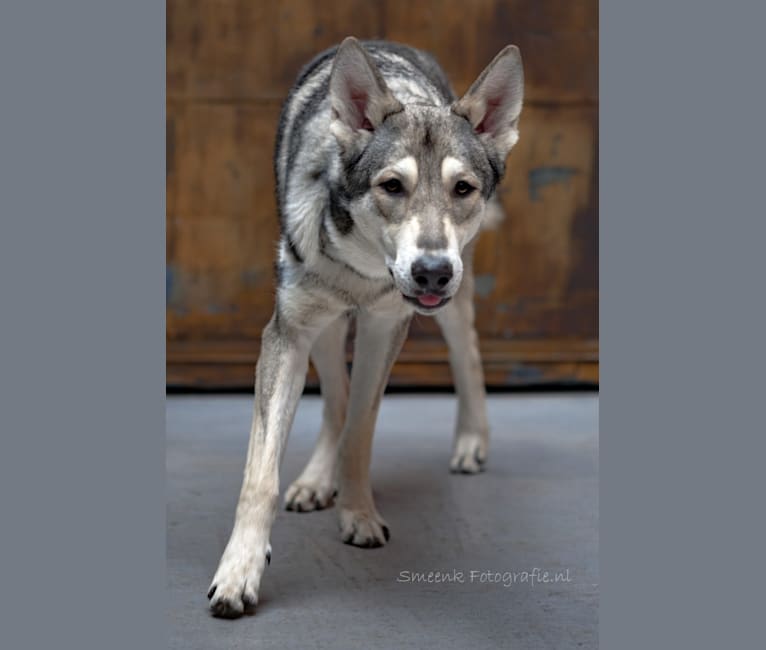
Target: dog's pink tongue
pixel 429 300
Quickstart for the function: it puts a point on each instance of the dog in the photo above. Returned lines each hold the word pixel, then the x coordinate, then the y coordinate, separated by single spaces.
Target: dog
pixel 384 180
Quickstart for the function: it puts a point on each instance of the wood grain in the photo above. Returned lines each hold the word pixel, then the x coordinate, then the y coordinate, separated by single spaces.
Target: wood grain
pixel 240 50
pixel 230 64
pixel 230 364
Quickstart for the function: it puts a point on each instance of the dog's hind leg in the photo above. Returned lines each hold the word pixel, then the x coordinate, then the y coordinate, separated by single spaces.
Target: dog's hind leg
pixel 280 376
pixel 314 489
pixel 456 320
pixel 378 341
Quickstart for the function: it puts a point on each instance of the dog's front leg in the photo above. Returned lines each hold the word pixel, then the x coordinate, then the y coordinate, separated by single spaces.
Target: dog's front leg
pixel 314 489
pixel 378 341
pixel 457 324
pixel 280 376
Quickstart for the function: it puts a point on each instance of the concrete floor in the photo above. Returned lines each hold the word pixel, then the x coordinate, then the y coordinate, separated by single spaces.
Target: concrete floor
pixel 536 507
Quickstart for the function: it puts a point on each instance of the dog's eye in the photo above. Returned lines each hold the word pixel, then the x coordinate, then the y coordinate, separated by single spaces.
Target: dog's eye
pixel 463 189
pixel 393 186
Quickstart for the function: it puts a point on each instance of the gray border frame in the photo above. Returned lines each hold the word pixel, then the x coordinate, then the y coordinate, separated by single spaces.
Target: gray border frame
pixel 82 183
pixel 81 342
pixel 682 324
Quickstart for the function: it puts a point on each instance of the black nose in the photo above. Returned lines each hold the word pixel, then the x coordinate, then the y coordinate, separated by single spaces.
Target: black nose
pixel 431 273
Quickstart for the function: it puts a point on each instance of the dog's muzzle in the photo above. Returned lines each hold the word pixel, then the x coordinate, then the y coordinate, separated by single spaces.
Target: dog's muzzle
pixel 429 283
pixel 430 278
pixel 432 273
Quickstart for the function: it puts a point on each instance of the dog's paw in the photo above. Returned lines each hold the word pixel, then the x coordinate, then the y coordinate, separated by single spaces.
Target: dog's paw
pixel 234 590
pixel 305 497
pixel 363 528
pixel 470 454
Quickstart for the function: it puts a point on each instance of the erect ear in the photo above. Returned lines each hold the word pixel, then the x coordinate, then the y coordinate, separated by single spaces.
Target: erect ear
pixel 359 96
pixel 493 103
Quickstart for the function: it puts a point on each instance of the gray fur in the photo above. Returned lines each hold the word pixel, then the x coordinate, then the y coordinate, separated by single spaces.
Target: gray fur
pixel 310 162
pixel 378 170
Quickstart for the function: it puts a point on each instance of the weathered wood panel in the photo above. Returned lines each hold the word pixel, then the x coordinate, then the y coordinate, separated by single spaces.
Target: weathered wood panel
pixel 231 364
pixel 230 64
pixel 222 226
pixel 239 50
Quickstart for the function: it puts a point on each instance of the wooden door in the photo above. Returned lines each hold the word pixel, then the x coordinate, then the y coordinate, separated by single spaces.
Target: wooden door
pixel 230 64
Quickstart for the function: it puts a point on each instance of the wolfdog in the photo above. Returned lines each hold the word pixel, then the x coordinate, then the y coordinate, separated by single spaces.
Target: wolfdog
pixel 384 180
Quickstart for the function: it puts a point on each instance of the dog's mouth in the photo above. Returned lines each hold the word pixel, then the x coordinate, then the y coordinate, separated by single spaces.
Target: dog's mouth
pixel 428 301
pixel 425 302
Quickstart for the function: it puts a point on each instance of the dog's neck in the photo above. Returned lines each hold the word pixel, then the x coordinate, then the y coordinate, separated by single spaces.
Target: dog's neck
pixel 355 250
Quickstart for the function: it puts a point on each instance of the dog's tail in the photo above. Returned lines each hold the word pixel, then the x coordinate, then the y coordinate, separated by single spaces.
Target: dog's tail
pixel 494 213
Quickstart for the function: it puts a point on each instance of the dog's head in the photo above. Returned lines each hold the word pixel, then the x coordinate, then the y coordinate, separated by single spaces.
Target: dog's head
pixel 416 178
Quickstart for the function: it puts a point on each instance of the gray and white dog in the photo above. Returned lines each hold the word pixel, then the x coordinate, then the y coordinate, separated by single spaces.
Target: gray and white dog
pixel 384 181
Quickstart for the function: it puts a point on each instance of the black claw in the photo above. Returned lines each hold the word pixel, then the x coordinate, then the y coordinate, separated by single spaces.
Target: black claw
pixel 386 534
pixel 268 557
pixel 369 542
pixel 222 609
pixel 249 603
pixel 211 592
pixel 349 538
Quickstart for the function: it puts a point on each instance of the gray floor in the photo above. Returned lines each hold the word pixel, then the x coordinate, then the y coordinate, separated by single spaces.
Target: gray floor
pixel 536 507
